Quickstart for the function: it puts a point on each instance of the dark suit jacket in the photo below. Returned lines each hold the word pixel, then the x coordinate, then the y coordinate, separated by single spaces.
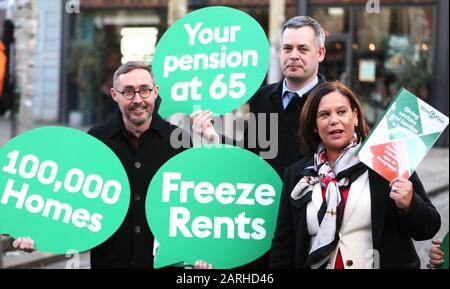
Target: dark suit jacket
pixel 392 231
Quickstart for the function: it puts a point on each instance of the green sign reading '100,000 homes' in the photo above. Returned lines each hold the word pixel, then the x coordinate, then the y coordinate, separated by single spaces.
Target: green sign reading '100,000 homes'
pixel 217 204
pixel 213 58
pixel 63 188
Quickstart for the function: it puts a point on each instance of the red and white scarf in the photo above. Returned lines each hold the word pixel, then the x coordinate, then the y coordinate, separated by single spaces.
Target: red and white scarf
pixel 334 178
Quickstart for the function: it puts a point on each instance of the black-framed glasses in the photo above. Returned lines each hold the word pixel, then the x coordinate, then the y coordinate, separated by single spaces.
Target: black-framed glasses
pixel 129 93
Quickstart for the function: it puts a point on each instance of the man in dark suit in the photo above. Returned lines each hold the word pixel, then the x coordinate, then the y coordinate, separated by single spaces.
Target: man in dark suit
pixel 276 107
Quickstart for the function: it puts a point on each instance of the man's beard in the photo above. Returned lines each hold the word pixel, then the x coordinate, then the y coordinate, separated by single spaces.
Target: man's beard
pixel 138 121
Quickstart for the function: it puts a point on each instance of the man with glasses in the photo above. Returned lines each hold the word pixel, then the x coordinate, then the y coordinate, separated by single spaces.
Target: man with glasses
pixel 141 140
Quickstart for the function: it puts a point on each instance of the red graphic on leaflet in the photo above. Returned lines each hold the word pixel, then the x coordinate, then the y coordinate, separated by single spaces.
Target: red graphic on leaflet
pixel 390 159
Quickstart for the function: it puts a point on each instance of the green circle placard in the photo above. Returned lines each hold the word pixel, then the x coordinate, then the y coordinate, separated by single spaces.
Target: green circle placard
pixel 214 203
pixel 213 58
pixel 63 188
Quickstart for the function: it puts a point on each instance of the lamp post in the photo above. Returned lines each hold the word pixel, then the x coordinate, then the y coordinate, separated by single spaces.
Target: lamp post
pixel 24 16
pixel 175 10
pixel 276 19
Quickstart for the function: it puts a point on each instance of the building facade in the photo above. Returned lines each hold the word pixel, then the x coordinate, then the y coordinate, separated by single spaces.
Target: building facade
pixel 376 47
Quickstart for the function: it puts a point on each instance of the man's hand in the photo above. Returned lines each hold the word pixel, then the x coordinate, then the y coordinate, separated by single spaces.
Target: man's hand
pixel 200 264
pixel 24 243
pixel 201 124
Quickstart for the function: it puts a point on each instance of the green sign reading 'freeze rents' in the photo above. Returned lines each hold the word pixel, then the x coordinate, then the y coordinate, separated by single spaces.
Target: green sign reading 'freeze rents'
pixel 63 188
pixel 213 58
pixel 214 203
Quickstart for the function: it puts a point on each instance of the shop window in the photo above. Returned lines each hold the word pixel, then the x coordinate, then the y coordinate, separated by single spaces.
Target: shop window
pixel 138 43
pixel 399 41
pixel 389 50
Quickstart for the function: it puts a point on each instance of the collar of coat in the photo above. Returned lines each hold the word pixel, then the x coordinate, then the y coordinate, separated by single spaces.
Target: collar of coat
pixel 278 87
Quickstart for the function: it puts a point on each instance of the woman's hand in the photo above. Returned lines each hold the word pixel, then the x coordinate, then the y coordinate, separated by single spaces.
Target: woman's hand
pixel 401 193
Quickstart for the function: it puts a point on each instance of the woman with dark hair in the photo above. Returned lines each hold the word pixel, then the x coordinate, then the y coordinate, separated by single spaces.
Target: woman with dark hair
pixel 335 212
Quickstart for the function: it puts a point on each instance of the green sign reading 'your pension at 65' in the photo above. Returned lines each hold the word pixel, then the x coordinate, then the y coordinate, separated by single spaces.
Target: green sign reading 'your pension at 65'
pixel 215 203
pixel 213 58
pixel 63 188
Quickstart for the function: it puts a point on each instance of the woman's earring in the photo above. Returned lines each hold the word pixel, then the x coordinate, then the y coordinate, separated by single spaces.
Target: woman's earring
pixel 355 136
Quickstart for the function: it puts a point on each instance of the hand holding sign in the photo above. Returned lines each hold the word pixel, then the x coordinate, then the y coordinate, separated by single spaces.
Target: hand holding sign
pixel 214 57
pixel 63 188
pixel 217 210
pixel 24 243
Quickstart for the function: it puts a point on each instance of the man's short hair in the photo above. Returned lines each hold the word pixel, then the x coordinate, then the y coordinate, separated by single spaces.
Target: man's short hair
pixel 301 21
pixel 130 66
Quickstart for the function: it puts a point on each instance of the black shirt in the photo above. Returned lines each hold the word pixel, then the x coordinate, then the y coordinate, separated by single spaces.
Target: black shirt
pixel 131 246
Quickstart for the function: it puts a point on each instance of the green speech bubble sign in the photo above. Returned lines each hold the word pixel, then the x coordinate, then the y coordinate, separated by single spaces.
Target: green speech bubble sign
pixel 213 58
pixel 63 188
pixel 214 203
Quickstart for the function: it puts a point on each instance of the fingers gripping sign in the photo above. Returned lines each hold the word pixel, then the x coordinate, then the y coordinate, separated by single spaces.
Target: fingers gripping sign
pixel 401 193
pixel 24 243
pixel 202 124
